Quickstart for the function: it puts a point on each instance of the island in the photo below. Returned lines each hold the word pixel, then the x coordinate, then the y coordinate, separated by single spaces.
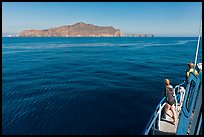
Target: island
pixel 138 35
pixel 80 29
pixel 142 35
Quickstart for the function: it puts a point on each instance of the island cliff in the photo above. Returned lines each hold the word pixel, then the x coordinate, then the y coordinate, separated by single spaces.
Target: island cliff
pixel 76 30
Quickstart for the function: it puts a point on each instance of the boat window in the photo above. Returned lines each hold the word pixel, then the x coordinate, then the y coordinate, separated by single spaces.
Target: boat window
pixel 190 95
pixel 197 96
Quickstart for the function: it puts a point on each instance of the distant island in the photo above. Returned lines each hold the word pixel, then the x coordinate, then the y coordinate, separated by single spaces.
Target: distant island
pixel 79 29
pixel 142 35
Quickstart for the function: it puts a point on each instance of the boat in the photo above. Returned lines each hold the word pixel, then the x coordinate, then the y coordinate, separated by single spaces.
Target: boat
pixel 188 107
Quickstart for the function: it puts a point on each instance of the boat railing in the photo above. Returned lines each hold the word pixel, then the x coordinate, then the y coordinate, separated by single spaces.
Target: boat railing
pixel 156 116
pixel 179 90
pixel 154 122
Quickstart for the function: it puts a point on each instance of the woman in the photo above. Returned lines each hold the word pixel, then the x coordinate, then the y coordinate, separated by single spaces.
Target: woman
pixel 190 69
pixel 170 100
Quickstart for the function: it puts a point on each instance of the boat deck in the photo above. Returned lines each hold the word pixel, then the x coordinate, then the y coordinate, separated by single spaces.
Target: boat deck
pixel 166 125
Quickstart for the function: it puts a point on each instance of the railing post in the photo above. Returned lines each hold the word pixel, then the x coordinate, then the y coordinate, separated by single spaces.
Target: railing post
pixel 153 133
pixel 159 117
pixel 154 125
pixel 175 98
pixel 182 92
pixel 179 93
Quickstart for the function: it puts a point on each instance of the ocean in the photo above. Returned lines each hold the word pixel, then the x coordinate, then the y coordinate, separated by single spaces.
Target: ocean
pixel 88 85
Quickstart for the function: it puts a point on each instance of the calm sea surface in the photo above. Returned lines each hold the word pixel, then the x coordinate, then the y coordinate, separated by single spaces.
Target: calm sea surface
pixel 88 85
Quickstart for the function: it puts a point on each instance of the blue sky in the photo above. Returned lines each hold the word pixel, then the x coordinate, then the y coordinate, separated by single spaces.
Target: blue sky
pixel 159 18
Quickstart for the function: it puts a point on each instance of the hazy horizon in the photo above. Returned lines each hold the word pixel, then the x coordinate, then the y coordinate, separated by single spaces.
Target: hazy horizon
pixel 157 18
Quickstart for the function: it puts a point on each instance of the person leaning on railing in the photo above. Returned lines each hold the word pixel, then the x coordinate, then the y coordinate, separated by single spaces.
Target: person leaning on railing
pixel 190 69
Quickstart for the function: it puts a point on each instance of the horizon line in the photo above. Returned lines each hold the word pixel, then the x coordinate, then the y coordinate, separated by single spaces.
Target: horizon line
pixel 94 36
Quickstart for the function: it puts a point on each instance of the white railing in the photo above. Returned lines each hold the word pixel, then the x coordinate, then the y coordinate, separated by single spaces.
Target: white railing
pixel 157 113
pixel 155 119
pixel 199 125
pixel 180 90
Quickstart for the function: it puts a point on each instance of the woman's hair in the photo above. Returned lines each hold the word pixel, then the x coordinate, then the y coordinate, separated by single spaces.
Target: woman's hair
pixel 167 81
pixel 191 65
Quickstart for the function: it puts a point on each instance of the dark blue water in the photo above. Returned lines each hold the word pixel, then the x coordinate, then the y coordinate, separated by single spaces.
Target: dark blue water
pixel 88 85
